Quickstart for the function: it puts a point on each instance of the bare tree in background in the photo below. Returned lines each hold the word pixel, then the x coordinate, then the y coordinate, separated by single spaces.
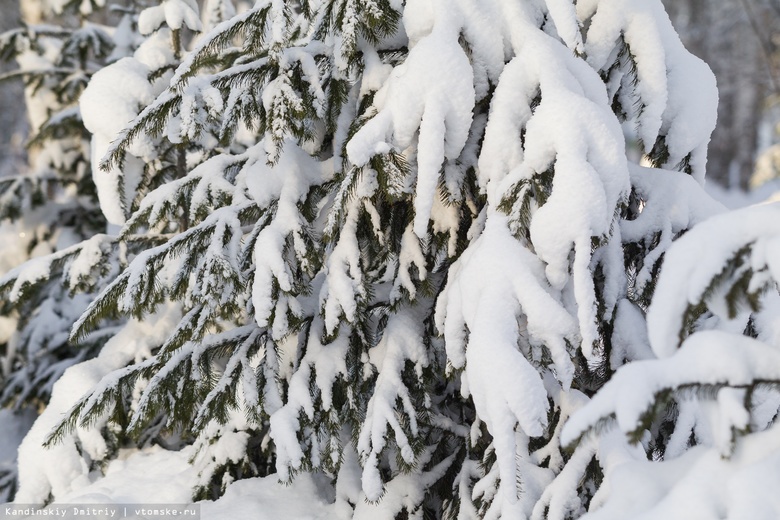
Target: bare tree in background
pixel 12 116
pixel 735 37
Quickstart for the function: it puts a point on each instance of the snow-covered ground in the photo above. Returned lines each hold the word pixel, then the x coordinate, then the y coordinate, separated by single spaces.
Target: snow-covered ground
pixel 158 476
pixel 734 199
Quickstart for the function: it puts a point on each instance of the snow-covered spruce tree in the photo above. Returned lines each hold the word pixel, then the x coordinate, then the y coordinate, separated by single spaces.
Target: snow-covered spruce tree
pixel 401 245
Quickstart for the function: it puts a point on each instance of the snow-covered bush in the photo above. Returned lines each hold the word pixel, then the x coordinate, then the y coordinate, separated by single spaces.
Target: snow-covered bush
pixel 399 244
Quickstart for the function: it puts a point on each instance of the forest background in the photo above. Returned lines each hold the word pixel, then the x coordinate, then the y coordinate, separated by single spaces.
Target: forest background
pixel 738 39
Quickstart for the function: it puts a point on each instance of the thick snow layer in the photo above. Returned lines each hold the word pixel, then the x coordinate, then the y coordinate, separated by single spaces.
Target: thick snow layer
pixel 493 284
pixel 402 342
pixel 306 498
pixel 64 467
pixel 323 364
pixel 417 102
pixel 92 252
pixel 706 358
pixel 561 497
pixel 676 90
pixel 155 475
pixel 574 134
pixel 700 484
pixel 515 308
pixel 404 491
pixel 215 12
pixel 344 286
pixel 174 13
pixel 286 183
pixel 113 98
pixel 629 335
pixel 150 475
pixel 702 254
pixel 673 202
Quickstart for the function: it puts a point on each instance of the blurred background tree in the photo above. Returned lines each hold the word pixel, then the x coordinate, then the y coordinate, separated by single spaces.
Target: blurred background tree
pixel 12 115
pixel 739 40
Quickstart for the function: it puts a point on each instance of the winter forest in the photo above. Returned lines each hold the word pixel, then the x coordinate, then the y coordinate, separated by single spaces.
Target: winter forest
pixel 391 259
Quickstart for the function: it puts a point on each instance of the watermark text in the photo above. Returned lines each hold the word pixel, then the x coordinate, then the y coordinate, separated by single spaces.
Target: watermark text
pixel 100 512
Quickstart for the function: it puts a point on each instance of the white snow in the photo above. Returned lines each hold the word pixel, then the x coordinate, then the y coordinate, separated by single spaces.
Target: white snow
pixel 416 99
pixel 574 133
pixel 700 255
pixel 325 363
pixel 92 251
pixel 113 98
pixel 629 335
pixel 343 286
pixel 402 341
pixel 287 182
pixel 705 358
pixel 518 305
pixel 676 90
pixel 155 475
pixel 698 485
pixel 493 284
pixel 149 475
pixel 64 467
pixel 174 13
pixel 267 499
